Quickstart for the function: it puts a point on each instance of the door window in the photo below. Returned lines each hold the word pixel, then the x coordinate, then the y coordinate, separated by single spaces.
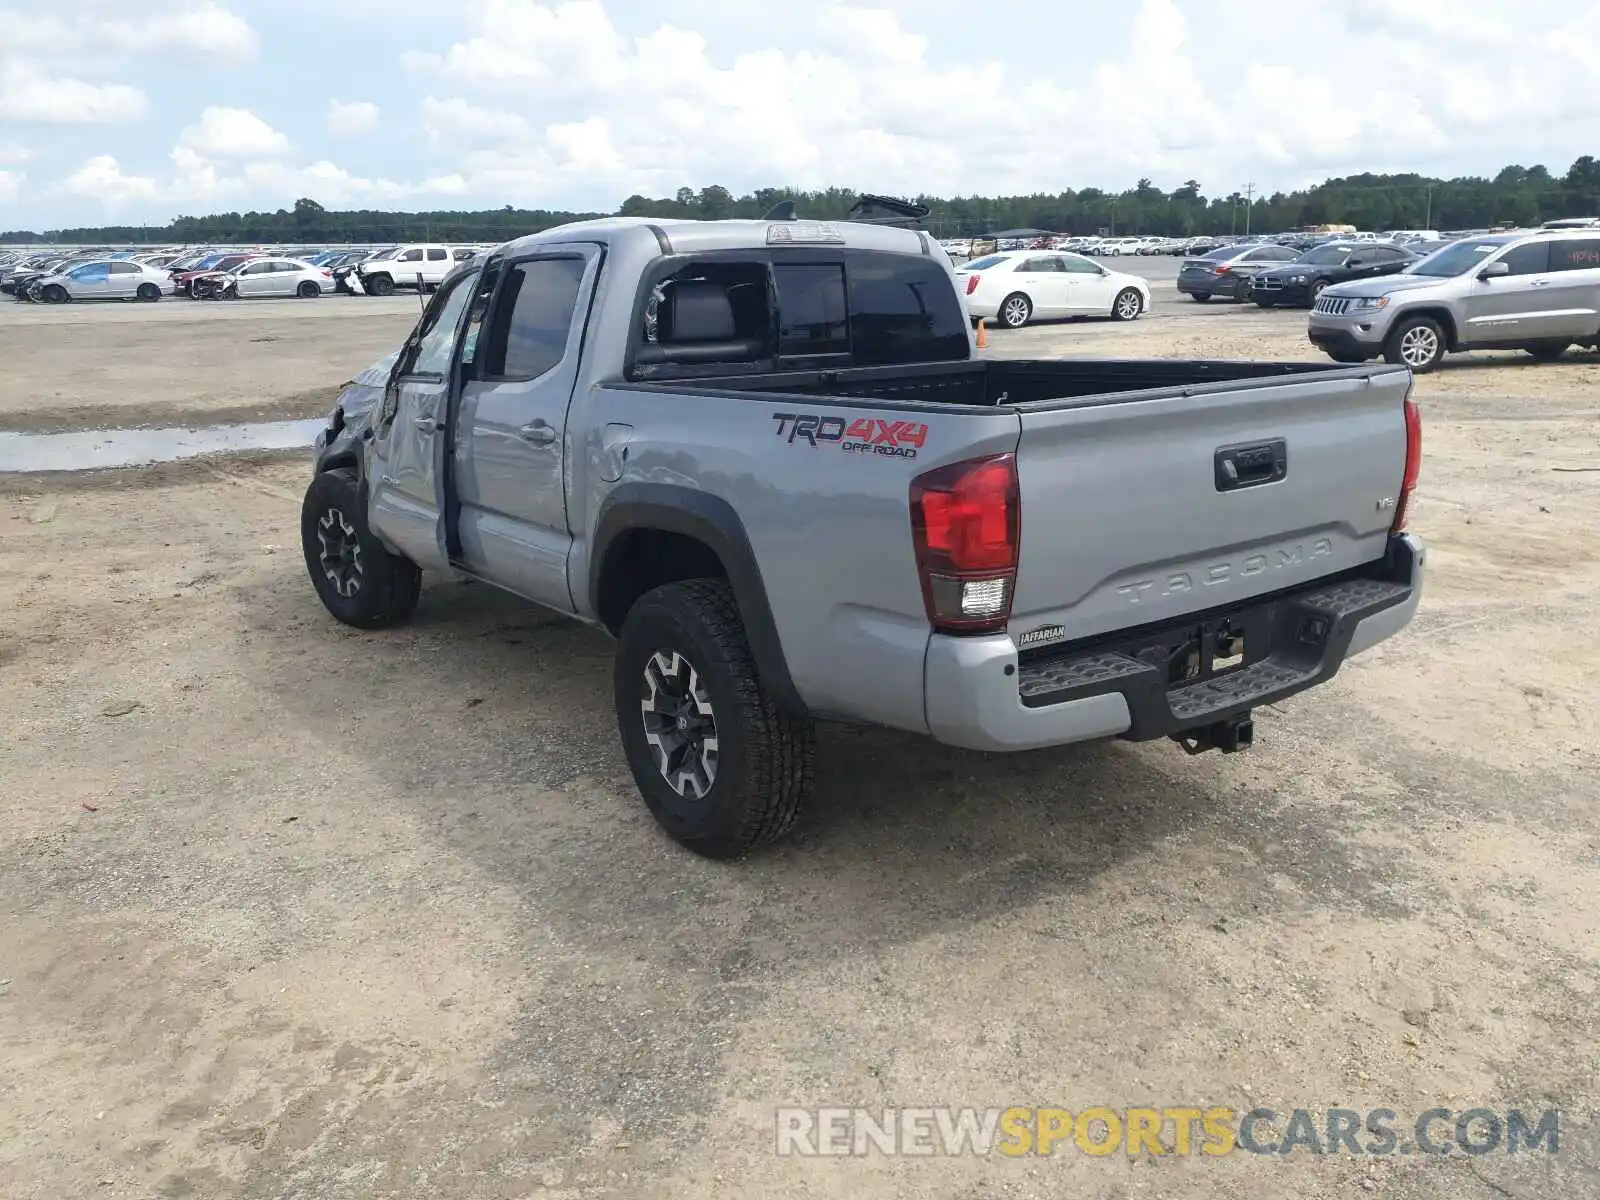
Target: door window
pixel 410 256
pixel 93 273
pixel 1530 258
pixel 429 353
pixel 532 318
pixel 1073 265
pixel 438 254
pixel 124 268
pixel 1575 255
pixel 1047 263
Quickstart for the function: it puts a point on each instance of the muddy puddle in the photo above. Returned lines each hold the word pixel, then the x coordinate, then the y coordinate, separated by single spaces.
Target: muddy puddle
pixel 96 449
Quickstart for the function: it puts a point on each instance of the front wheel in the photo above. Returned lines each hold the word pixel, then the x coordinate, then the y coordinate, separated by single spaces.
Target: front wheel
pixel 148 292
pixel 1199 297
pixel 1263 302
pixel 1015 311
pixel 1417 343
pixel 356 577
pixel 1129 304
pixel 378 285
pixel 54 294
pixel 720 767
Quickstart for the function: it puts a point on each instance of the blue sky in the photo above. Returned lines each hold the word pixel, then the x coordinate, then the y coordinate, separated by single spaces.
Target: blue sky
pixel 139 110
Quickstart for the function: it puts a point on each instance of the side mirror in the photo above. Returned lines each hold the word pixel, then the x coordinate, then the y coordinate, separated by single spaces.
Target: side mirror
pixel 1495 270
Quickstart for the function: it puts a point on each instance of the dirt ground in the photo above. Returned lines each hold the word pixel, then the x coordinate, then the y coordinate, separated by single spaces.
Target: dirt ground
pixel 288 911
pixel 88 366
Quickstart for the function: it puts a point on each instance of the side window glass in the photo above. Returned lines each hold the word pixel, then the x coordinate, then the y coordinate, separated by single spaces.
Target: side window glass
pixel 482 294
pixel 411 256
pixel 1531 258
pixel 430 354
pixel 92 273
pixel 1078 266
pixel 1576 255
pixel 438 254
pixel 530 324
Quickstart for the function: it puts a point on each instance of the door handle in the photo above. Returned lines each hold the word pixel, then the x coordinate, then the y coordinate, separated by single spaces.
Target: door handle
pixel 1539 283
pixel 539 433
pixel 427 424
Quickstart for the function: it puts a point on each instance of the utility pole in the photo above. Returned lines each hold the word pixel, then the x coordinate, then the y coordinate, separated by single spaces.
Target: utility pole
pixel 1427 222
pixel 1249 195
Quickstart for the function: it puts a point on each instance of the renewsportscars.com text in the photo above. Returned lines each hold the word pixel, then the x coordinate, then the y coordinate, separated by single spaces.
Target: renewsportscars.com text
pixel 1179 1130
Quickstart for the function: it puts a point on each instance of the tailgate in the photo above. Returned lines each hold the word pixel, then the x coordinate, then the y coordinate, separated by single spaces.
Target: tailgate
pixel 1147 507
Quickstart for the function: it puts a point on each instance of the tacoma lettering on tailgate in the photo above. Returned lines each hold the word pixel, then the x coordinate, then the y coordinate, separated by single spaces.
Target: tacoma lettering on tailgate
pixel 862 435
pixel 1179 583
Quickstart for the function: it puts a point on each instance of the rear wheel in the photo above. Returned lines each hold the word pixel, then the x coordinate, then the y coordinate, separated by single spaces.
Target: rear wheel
pixel 1241 289
pixel 148 292
pixel 356 577
pixel 1417 343
pixel 1129 304
pixel 1015 311
pixel 720 767
pixel 1548 351
pixel 307 290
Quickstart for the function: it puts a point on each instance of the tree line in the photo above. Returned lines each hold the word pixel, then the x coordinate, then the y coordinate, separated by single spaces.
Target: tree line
pixel 1516 195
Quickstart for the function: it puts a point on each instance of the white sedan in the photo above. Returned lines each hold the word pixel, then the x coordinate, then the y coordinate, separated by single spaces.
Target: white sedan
pixel 281 277
pixel 1017 286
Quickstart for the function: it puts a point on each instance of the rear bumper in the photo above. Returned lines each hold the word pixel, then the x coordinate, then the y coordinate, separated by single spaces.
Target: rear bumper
pixel 981 696
pixel 1207 285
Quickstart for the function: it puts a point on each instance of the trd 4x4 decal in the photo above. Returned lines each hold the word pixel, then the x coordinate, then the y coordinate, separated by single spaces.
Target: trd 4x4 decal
pixel 861 435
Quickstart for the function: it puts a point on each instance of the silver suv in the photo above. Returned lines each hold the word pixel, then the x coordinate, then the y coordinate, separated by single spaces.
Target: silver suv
pixel 1536 291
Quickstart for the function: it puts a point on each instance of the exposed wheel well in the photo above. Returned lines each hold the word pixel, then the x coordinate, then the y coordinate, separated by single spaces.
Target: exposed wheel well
pixel 1441 315
pixel 639 560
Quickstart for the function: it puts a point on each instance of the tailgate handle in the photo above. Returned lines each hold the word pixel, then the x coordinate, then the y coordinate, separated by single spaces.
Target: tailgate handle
pixel 1252 465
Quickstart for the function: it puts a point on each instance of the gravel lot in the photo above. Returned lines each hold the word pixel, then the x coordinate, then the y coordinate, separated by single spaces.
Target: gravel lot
pixel 291 911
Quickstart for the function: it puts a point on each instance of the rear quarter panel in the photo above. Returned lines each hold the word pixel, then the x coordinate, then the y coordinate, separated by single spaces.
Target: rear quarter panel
pixel 830 528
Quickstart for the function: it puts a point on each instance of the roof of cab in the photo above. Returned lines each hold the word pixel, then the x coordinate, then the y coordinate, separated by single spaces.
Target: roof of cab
pixel 686 236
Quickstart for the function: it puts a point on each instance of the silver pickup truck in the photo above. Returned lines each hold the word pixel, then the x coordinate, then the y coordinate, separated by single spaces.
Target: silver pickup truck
pixel 766 457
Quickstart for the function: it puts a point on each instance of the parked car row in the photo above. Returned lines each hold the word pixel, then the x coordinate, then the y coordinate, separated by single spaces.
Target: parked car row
pixel 58 277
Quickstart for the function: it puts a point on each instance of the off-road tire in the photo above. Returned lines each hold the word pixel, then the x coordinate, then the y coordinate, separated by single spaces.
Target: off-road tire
pixel 764 756
pixel 378 285
pixel 388 586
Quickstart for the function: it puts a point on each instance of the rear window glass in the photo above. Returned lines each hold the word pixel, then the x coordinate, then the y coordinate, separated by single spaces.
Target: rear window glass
pixel 982 264
pixel 811 314
pixel 1223 252
pixel 904 310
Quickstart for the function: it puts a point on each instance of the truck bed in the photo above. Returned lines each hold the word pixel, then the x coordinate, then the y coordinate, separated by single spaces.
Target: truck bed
pixel 1022 381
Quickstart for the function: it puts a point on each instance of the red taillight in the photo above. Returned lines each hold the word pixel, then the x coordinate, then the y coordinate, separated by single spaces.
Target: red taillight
pixel 1220 269
pixel 966 524
pixel 972 283
pixel 1408 483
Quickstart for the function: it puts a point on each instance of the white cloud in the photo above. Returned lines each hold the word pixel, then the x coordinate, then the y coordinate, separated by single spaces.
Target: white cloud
pixel 351 120
pixel 232 133
pixel 102 178
pixel 199 27
pixel 10 185
pixel 29 94
pixel 11 154
pixel 332 185
pixel 454 123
